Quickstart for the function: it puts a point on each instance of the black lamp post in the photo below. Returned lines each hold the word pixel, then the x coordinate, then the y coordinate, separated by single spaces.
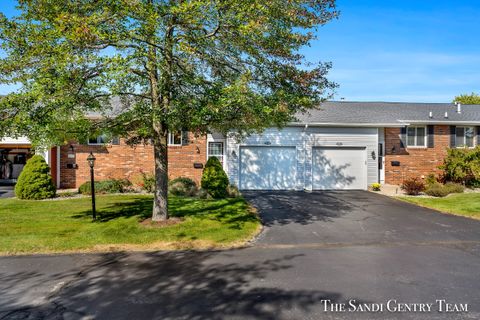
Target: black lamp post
pixel 91 162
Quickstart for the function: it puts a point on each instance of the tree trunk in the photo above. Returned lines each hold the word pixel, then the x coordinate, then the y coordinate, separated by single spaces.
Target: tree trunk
pixel 160 201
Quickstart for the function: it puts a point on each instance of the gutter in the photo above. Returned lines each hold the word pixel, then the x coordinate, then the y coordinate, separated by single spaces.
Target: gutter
pixel 343 124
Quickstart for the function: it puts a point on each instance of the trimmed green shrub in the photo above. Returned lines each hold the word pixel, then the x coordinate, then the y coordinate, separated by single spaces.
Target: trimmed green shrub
pixel 35 181
pixel 233 192
pixel 202 194
pixel 214 178
pixel 437 190
pixel 454 187
pixel 462 165
pixel 106 186
pixel 431 179
pixel 442 190
pixel 182 187
pixel 148 182
pixel 413 186
pixel 376 186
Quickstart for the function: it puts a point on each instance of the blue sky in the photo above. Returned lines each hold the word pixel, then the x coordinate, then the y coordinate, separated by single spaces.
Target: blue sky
pixel 396 50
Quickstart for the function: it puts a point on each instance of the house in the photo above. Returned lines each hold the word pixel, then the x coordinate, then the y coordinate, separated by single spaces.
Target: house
pixel 341 145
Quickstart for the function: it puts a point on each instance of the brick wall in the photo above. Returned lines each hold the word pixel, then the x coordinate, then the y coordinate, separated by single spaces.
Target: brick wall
pixel 414 162
pixel 123 161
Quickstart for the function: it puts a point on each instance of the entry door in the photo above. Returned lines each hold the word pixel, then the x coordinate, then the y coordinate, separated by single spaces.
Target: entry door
pixel 337 168
pixel 267 168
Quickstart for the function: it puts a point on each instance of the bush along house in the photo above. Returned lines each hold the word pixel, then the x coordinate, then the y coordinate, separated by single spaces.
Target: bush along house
pixel 340 145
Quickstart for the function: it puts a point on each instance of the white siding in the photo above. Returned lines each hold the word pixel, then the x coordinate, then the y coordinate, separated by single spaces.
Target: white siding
pixel 19 140
pixel 305 141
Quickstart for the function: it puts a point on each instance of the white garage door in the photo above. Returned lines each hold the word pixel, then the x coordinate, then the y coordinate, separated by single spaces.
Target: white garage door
pixel 267 168
pixel 339 168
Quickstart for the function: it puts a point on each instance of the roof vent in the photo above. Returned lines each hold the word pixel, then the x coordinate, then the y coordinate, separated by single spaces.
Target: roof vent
pixel 430 114
pixel 446 115
pixel 459 107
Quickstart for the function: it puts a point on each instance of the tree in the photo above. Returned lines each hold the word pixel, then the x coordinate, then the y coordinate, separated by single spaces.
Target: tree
pixel 472 98
pixel 163 65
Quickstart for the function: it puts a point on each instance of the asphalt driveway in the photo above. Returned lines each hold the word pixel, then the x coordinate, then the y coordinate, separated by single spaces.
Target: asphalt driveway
pixel 7 191
pixel 354 218
pixel 336 246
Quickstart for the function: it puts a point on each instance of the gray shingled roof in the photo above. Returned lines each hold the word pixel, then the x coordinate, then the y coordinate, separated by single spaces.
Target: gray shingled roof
pixel 364 113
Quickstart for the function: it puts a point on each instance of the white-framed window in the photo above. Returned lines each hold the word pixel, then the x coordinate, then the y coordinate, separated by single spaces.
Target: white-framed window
pixel 417 136
pixel 465 137
pixel 215 149
pixel 175 138
pixel 102 139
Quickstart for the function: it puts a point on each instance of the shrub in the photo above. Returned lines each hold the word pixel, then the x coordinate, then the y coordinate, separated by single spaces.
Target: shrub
pixel 376 186
pixel 35 181
pixel 148 182
pixel 437 190
pixel 106 186
pixel 431 179
pixel 413 186
pixel 440 190
pixel 454 187
pixel 233 192
pixel 182 187
pixel 462 166
pixel 214 178
pixel 202 193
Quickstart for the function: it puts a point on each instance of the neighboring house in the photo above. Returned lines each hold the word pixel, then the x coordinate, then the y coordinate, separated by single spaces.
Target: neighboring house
pixel 342 145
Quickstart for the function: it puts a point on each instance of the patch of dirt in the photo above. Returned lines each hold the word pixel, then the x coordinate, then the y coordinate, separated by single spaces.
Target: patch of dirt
pixel 160 224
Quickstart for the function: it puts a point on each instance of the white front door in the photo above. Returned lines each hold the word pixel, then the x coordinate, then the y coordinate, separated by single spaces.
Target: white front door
pixel 339 168
pixel 267 168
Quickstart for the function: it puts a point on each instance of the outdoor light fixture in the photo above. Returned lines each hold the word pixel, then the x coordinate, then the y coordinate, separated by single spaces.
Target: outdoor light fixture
pixel 374 156
pixel 91 162
pixel 71 152
pixel 234 154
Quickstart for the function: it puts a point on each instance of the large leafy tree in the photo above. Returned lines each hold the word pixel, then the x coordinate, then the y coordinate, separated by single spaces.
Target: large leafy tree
pixel 472 98
pixel 154 66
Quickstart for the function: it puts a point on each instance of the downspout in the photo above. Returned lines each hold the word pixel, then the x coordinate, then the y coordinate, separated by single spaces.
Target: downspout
pixel 58 167
pixel 305 157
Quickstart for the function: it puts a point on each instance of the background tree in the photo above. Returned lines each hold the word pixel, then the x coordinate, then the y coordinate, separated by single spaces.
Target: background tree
pixel 472 98
pixel 154 66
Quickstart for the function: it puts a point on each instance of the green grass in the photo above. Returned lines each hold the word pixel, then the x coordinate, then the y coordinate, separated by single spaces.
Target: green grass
pixel 66 225
pixel 462 204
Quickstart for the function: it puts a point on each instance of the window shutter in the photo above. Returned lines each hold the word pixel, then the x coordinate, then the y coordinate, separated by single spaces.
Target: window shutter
pixel 431 136
pixel 478 136
pixel 184 137
pixel 453 132
pixel 403 137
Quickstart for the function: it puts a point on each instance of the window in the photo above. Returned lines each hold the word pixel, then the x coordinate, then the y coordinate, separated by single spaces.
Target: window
pixel 215 149
pixel 175 138
pixel 102 139
pixel 416 136
pixel 464 137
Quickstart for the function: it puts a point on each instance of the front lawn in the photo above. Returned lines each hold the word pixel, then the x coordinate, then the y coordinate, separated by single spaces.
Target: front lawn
pixel 66 225
pixel 462 204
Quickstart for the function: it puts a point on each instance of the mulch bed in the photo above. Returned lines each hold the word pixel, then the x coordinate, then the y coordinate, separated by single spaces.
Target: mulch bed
pixel 160 224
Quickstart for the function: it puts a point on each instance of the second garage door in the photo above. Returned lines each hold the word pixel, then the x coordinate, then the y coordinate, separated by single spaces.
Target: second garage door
pixel 268 168
pixel 339 168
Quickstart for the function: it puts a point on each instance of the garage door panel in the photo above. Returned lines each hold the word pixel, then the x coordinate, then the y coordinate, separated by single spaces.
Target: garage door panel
pixel 267 168
pixel 339 168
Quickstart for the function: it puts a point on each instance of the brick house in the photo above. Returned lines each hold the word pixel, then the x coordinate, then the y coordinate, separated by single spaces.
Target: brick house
pixel 342 145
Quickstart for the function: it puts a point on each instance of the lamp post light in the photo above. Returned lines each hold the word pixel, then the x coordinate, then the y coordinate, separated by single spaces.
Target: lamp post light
pixel 91 162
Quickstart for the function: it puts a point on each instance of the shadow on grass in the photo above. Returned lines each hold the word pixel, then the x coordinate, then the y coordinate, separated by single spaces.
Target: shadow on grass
pixel 230 211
